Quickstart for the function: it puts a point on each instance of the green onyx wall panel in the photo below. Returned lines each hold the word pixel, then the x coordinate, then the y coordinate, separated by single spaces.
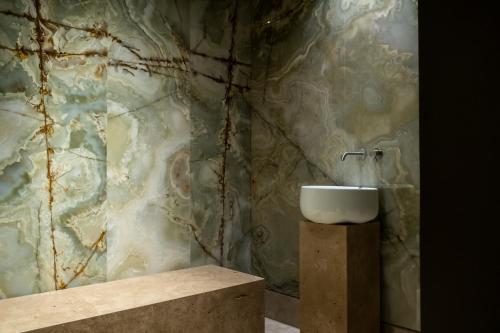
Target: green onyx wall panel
pixel 125 143
pixel 53 159
pixel 143 136
pixel 95 142
pixel 220 164
pixel 148 131
pixel 330 76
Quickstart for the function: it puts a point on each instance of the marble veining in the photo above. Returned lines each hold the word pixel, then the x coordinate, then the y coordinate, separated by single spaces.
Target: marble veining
pixel 148 130
pixel 144 136
pixel 124 151
pixel 53 175
pixel 220 163
pixel 331 76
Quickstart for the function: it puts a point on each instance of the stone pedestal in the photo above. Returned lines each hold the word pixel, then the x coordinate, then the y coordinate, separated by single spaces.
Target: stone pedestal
pixel 339 278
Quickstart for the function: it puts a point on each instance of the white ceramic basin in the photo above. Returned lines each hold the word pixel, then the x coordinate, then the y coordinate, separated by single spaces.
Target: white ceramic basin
pixel 338 204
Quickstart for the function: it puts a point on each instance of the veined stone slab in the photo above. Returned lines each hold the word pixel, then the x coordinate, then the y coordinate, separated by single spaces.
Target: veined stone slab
pixel 331 76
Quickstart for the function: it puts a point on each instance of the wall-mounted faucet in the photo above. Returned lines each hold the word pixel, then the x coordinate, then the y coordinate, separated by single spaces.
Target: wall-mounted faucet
pixel 377 154
pixel 361 152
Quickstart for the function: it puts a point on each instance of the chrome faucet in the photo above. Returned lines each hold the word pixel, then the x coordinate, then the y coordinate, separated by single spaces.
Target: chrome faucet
pixel 377 154
pixel 361 152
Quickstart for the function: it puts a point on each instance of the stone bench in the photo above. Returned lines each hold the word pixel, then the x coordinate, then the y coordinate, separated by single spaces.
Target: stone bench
pixel 207 299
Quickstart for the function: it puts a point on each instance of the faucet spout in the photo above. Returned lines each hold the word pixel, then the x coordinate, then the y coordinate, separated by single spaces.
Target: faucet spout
pixel 376 153
pixel 361 153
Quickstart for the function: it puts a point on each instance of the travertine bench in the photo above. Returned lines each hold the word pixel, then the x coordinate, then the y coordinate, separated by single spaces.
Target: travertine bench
pixel 207 299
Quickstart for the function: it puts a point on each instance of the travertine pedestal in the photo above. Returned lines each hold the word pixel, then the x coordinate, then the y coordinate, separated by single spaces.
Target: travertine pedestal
pixel 339 278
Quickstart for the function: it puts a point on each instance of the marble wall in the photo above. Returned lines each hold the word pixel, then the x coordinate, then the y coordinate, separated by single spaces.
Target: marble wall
pixel 53 151
pixel 148 133
pixel 330 76
pixel 125 145
pixel 143 136
pixel 220 51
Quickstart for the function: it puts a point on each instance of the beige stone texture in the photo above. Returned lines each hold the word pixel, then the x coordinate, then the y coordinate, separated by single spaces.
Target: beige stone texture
pixel 339 278
pixel 282 308
pixel 206 299
pixel 388 328
pixel 273 326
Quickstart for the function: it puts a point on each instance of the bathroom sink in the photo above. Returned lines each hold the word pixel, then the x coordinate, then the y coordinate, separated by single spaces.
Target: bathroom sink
pixel 338 204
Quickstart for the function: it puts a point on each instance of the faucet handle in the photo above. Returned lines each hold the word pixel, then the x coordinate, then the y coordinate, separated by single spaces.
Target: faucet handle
pixel 377 153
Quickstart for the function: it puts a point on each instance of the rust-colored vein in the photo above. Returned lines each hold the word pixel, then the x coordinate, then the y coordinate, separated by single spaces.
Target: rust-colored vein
pixel 89 53
pixel 38 242
pixel 80 268
pixel 23 52
pixel 220 59
pixel 96 31
pixel 18 15
pixel 226 133
pixel 222 81
pixel 203 247
pixel 147 67
pixel 127 66
pixel 100 31
pixel 142 63
pixel 184 54
pixel 46 130
pixel 151 64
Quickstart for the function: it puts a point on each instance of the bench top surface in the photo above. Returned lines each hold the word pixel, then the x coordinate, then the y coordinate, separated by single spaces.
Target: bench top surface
pixel 62 306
